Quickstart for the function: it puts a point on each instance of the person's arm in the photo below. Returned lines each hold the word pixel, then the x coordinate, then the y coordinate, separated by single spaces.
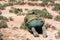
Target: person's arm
pixel 44 31
pixel 35 33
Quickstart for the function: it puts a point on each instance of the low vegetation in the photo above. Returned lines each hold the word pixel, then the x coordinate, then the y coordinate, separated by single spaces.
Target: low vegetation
pixel 2 7
pixel 16 11
pixel 3 24
pixel 44 13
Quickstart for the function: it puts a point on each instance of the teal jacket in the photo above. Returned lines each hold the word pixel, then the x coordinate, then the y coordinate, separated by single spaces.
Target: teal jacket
pixel 36 23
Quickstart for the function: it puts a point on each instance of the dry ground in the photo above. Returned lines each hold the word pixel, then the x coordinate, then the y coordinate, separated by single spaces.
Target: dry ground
pixel 15 33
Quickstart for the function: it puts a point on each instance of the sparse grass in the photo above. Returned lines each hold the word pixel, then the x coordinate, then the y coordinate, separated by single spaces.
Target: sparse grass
pixel 3 24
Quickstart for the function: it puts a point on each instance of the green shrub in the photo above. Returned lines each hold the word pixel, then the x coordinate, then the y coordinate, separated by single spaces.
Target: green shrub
pixel 1 7
pixel 3 24
pixel 56 7
pixel 19 9
pixel 57 18
pixel 44 13
pixel 44 3
pixel 16 10
pixel 49 16
pixel 3 18
pixel 5 5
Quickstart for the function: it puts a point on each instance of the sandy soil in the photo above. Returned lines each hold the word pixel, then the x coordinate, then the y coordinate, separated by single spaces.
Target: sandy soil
pixel 15 33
